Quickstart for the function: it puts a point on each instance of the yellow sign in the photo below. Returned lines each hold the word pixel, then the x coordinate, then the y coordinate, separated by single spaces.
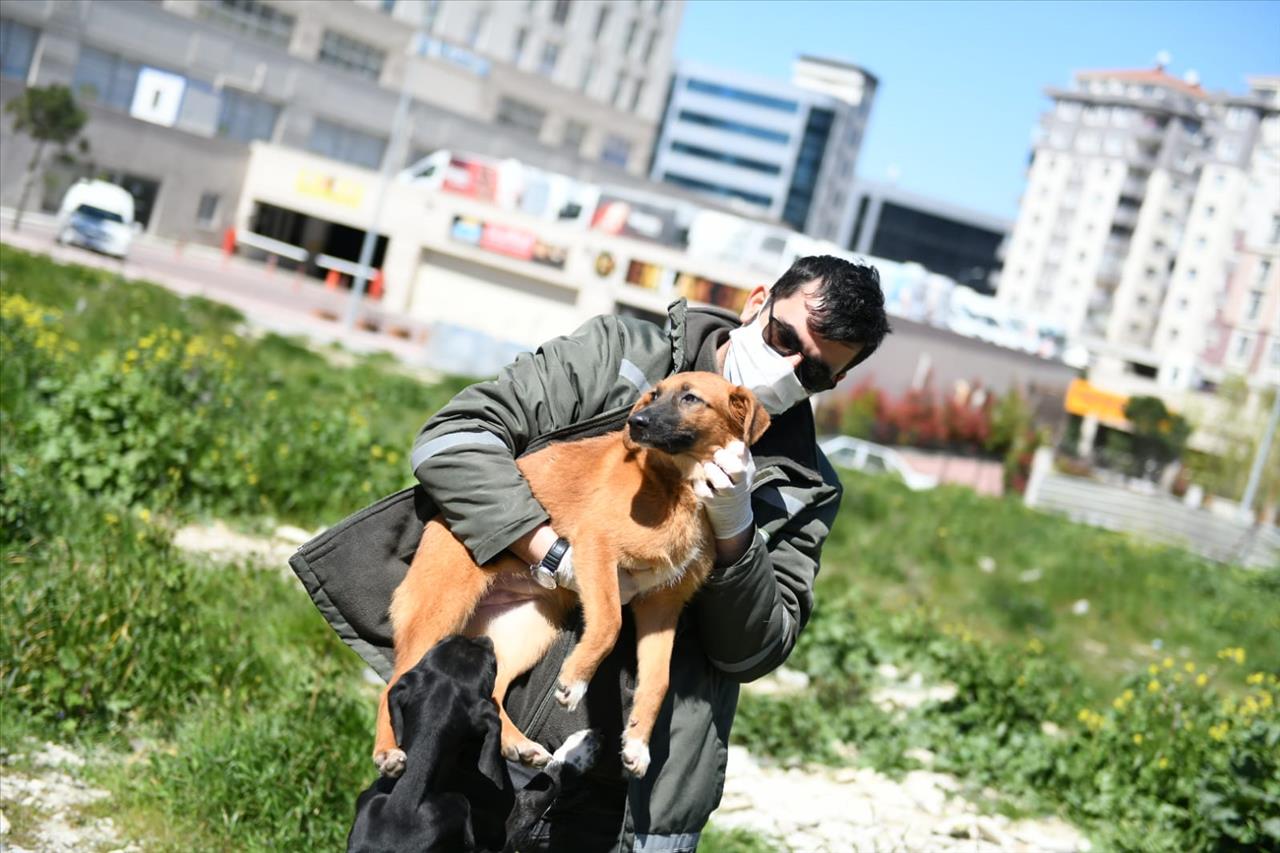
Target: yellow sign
pixel 1085 400
pixel 328 188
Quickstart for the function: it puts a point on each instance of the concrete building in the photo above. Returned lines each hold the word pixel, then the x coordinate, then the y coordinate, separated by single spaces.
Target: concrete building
pixel 1128 233
pixel 783 151
pixel 962 244
pixel 176 82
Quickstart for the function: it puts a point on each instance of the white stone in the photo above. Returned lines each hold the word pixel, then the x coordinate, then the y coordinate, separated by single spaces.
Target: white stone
pixel 986 564
pixel 4 824
pixel 1030 576
pixel 924 756
pixel 1081 607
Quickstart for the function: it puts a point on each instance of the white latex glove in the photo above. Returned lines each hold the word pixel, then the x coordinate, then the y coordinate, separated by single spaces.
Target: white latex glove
pixel 725 489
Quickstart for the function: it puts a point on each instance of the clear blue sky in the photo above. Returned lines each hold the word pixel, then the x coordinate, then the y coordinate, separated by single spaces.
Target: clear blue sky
pixel 962 84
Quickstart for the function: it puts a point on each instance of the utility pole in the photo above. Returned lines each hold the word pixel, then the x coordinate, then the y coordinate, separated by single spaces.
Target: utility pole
pixel 1260 458
pixel 394 145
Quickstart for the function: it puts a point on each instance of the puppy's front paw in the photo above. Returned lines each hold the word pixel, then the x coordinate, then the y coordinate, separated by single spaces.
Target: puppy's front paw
pixel 579 750
pixel 390 762
pixel 635 757
pixel 570 695
pixel 526 752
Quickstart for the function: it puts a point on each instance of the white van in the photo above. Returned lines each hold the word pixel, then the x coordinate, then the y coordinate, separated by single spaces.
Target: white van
pixel 97 215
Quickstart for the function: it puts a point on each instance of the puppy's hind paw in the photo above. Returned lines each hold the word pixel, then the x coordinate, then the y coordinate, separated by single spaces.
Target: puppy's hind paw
pixel 570 695
pixel 390 762
pixel 527 753
pixel 635 757
pixel 579 750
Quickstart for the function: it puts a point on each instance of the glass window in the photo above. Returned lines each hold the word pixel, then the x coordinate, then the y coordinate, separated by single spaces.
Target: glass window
pixel 550 53
pixel 715 189
pixel 353 55
pixel 245 117
pixel 602 19
pixel 574 133
pixel 106 78
pixel 742 95
pixel 17 46
pixel 617 150
pixel 207 211
pixel 730 159
pixel 517 50
pixel 346 144
pixel 520 116
pixel 734 127
pixel 560 11
pixel 255 19
pixel 631 36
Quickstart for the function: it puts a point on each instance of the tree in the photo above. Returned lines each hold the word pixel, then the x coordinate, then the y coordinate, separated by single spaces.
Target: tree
pixel 1158 435
pixel 48 114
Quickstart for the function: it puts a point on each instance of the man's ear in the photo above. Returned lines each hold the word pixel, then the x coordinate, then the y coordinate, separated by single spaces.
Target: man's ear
pixel 748 411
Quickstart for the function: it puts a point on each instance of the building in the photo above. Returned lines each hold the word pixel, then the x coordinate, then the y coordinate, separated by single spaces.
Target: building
pixel 1140 191
pixel 1244 336
pixel 783 151
pixel 176 82
pixel 962 244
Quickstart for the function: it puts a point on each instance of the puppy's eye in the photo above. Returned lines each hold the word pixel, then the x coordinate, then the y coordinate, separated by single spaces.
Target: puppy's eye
pixel 690 398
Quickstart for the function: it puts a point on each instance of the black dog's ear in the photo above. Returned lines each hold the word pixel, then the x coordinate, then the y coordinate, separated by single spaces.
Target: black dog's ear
pixel 748 411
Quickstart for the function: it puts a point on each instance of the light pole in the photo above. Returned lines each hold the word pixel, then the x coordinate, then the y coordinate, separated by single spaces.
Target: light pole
pixel 392 156
pixel 1260 458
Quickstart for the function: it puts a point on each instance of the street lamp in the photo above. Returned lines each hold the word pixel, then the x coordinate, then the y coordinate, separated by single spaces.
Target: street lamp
pixel 416 47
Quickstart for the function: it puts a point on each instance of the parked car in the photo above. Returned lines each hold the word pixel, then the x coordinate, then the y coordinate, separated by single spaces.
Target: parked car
pixel 97 215
pixel 862 455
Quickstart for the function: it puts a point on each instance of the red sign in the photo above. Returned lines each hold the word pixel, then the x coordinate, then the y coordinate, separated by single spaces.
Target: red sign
pixel 508 241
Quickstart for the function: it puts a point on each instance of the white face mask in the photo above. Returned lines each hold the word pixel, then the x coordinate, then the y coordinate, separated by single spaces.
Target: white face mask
pixel 753 363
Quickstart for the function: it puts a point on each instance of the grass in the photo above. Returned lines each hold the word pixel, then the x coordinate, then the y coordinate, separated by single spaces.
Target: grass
pixel 257 722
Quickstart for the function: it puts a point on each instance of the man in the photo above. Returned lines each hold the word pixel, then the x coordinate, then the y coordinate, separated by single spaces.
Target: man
pixel 771 507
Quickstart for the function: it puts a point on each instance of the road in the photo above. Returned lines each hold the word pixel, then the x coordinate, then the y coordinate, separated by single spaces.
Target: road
pixel 277 301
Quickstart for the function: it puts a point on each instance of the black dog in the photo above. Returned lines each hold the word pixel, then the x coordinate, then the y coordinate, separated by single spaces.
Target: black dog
pixel 457 793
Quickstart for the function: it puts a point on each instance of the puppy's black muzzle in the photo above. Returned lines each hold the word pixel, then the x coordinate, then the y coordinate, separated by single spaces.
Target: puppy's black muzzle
pixel 660 426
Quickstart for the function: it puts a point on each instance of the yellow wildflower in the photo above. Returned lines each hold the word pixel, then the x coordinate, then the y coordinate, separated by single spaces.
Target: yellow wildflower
pixel 393 457
pixel 111 518
pixel 253 479
pixel 1153 686
pixel 1137 738
pixel 144 514
pixel 1255 678
pixel 1219 732
pixel 1118 703
pixel 272 396
pixel 376 451
pixel 1167 663
pixel 1153 669
pixel 366 486
pixel 1128 695
pixel 1202 680
pixel 1189 666
pixel 1163 763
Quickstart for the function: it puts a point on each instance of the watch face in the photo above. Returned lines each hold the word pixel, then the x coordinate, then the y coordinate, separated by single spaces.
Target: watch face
pixel 544 576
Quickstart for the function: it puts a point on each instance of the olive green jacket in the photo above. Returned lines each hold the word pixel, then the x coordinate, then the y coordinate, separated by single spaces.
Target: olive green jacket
pixel 742 624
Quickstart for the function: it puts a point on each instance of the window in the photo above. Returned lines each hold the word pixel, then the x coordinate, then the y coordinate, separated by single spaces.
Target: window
pixel 1241 348
pixel 631 36
pixel 346 144
pixel 574 133
pixel 1275 354
pixel 560 12
pixel 601 20
pixel 715 189
pixel 1275 230
pixel 734 127
pixel 17 46
pixel 742 96
pixel 1255 304
pixel 387 6
pixel 257 20
pixel 106 78
pixel 617 150
pixel 617 89
pixel 648 45
pixel 352 55
pixel 478 22
pixel 550 53
pixel 520 116
pixel 207 211
pixel 517 49
pixel 1264 267
pixel 636 94
pixel 729 159
pixel 245 117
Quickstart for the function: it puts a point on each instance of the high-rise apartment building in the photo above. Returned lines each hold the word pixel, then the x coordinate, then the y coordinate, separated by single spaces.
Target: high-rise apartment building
pixel 575 87
pixel 1140 187
pixel 781 151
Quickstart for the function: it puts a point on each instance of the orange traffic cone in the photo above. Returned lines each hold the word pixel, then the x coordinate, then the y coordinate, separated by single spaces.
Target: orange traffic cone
pixel 331 280
pixel 375 286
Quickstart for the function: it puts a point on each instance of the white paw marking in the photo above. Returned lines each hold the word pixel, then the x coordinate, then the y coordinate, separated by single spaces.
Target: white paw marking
pixel 390 762
pixel 635 756
pixel 571 695
pixel 579 750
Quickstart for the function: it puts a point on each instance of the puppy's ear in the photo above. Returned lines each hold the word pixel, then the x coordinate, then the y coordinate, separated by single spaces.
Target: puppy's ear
pixel 748 411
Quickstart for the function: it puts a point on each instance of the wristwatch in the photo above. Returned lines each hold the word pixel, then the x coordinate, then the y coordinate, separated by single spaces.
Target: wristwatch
pixel 544 571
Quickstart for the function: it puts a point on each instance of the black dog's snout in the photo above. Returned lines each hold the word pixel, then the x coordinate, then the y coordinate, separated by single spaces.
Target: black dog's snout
pixel 640 420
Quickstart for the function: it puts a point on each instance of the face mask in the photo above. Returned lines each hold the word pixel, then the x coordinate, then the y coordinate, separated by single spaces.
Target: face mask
pixel 754 364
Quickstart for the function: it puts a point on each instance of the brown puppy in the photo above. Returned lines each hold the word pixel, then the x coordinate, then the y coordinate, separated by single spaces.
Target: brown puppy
pixel 625 500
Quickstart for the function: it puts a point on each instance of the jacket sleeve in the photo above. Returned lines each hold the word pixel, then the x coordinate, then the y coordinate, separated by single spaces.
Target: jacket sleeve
pixel 465 455
pixel 749 614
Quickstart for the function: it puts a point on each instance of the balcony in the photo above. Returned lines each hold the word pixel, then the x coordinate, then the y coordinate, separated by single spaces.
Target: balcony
pixel 1126 217
pixel 1134 186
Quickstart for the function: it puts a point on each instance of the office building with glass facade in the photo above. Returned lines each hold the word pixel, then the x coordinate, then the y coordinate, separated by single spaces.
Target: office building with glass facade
pixel 782 151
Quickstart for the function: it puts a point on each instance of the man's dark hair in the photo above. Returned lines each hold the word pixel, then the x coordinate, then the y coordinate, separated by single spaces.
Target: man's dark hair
pixel 851 305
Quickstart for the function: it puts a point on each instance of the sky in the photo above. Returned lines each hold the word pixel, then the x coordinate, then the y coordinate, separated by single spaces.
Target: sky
pixel 962 84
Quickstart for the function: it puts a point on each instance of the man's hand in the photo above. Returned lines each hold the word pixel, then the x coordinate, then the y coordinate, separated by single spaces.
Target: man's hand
pixel 725 490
